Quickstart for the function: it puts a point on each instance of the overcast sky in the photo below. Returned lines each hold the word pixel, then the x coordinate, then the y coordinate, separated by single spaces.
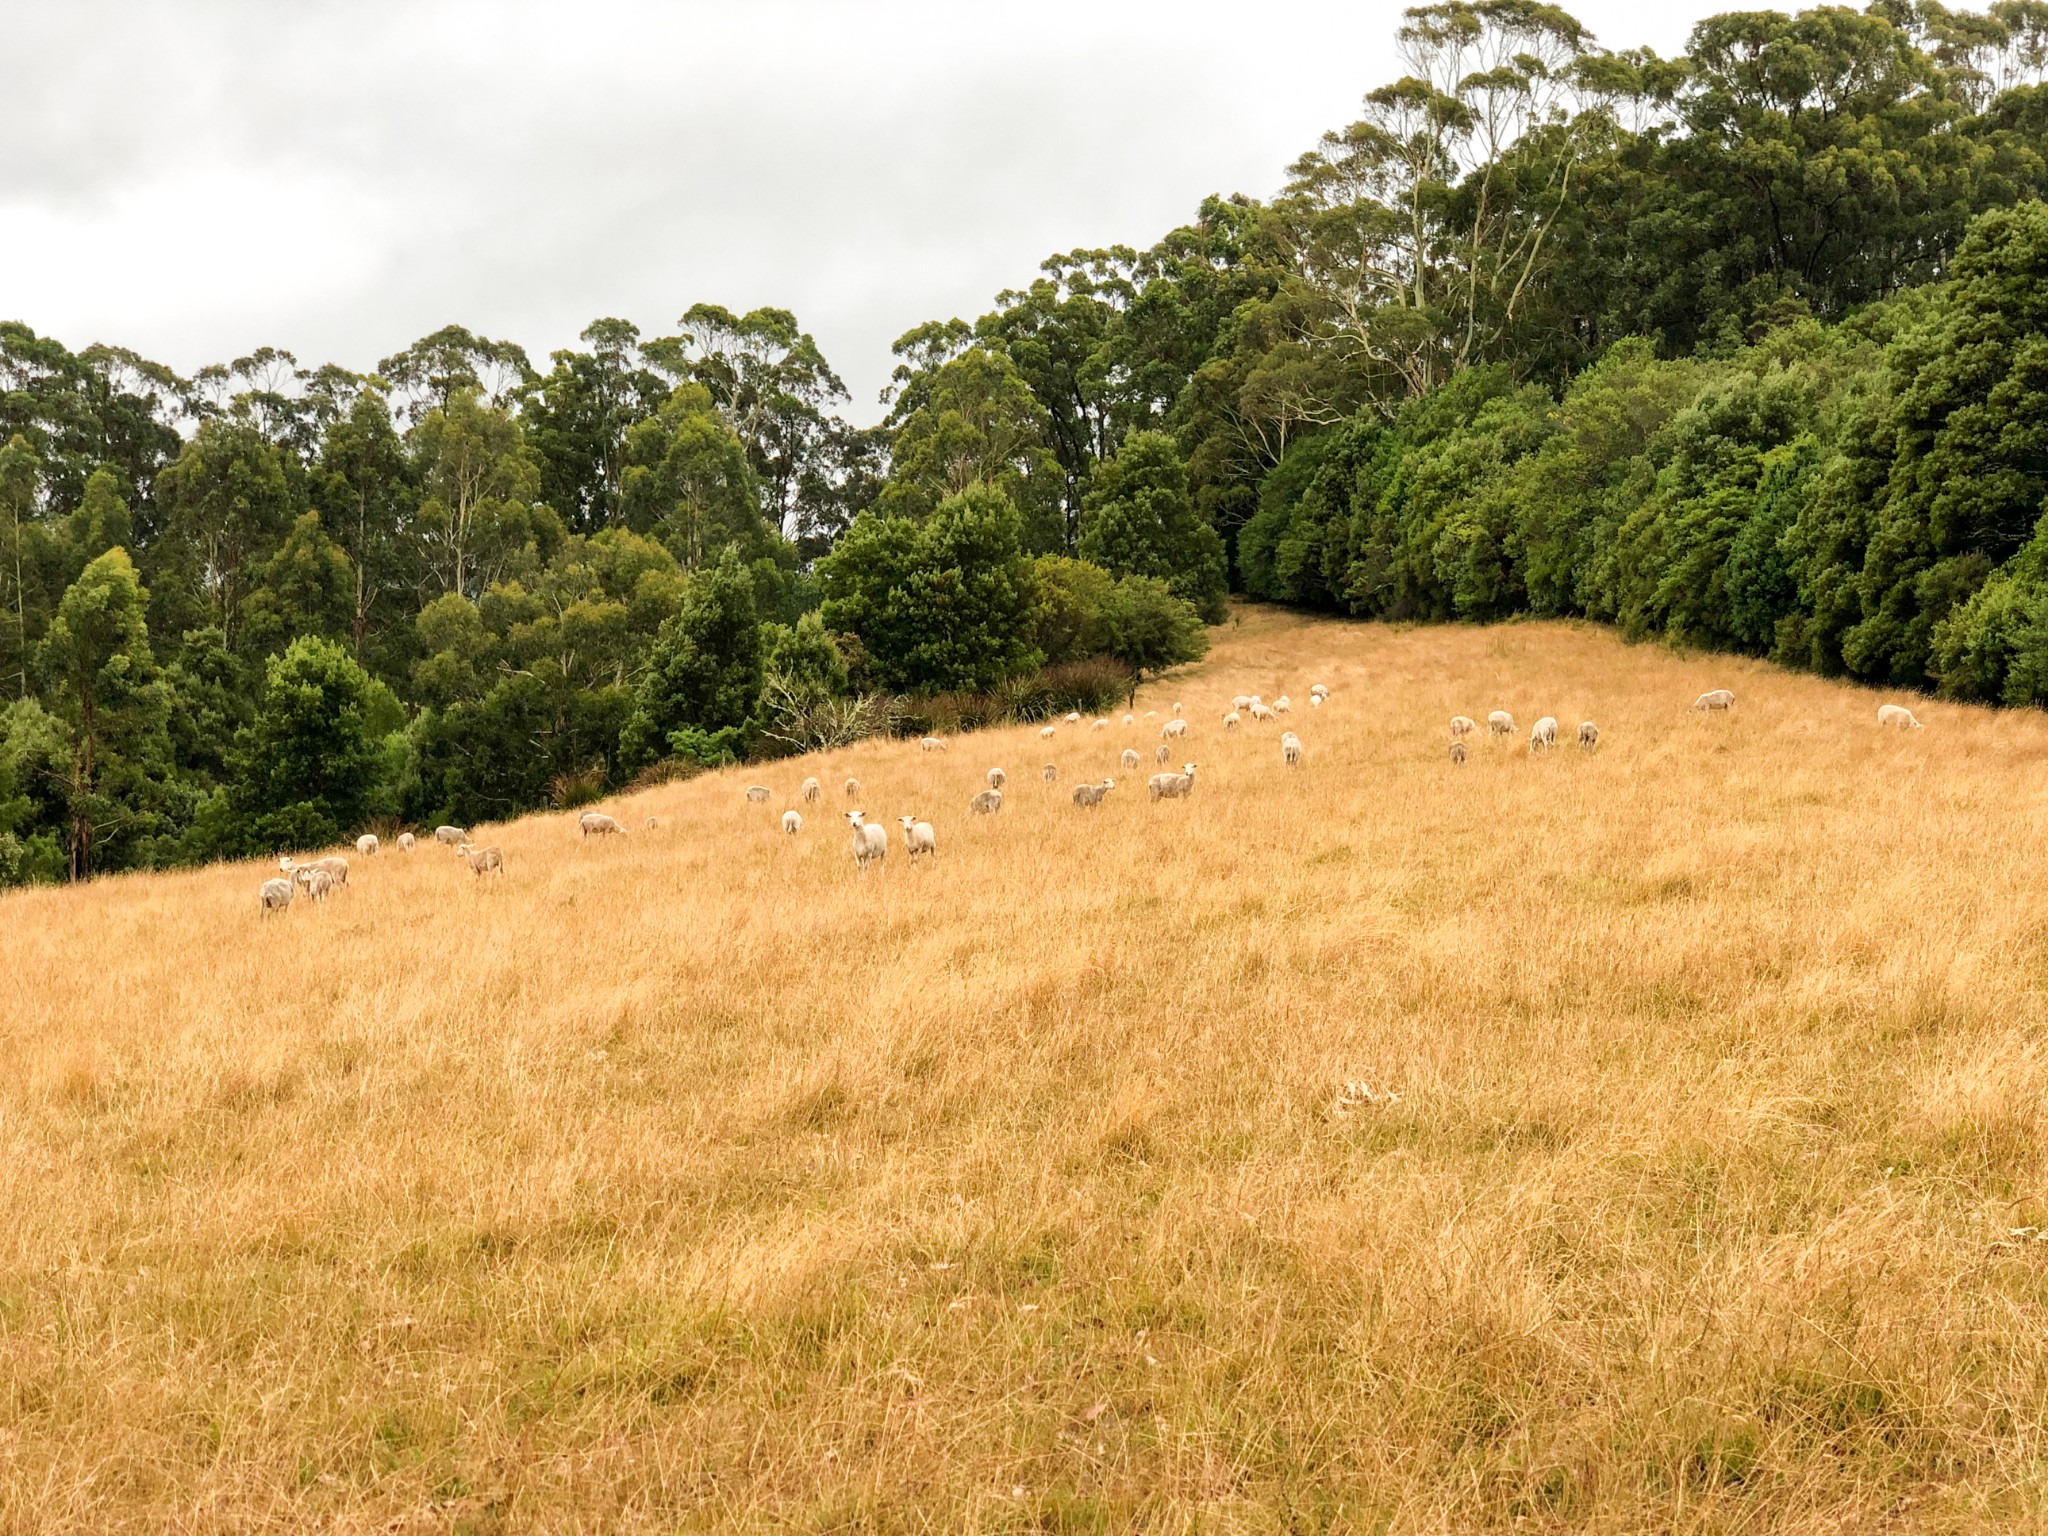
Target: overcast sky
pixel 195 178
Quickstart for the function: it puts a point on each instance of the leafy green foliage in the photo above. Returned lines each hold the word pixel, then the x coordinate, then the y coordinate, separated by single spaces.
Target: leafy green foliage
pixel 307 766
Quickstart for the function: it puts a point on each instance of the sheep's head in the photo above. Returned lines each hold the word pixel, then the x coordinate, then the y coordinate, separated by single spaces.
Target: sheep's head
pixel 1109 783
pixel 907 821
pixel 856 817
pixel 1188 769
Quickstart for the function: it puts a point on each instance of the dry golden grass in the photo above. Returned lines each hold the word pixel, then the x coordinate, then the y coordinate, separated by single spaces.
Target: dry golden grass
pixel 686 1180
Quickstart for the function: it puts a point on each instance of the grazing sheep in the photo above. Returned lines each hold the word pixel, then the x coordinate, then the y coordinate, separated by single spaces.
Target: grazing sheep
pixel 1151 714
pixel 1290 750
pixel 1719 698
pixel 1242 701
pixel 1049 773
pixel 931 744
pixel 1232 721
pixel 1500 723
pixel 1457 753
pixel 1099 725
pixel 482 860
pixel 1898 715
pixel 1173 728
pixel 334 867
pixel 1130 720
pixel 869 843
pixel 405 842
pixel 1319 691
pixel 758 793
pixel 1589 735
pixel 1463 725
pixel 597 824
pixel 988 803
pixel 1315 701
pixel 367 845
pixel 1543 734
pixel 1074 717
pixel 1129 759
pixel 1046 734
pixel 853 789
pixel 1086 795
pixel 1173 786
pixel 997 778
pixel 1261 711
pixel 1282 705
pixel 1161 753
pixel 277 895
pixel 812 791
pixel 318 884
pixel 451 835
pixel 792 823
pixel 918 837
pixel 1176 709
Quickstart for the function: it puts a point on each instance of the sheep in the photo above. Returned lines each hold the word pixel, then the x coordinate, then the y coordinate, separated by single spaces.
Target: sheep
pixel 318 884
pixel 1173 728
pixel 853 789
pixel 367 845
pixel 1173 786
pixel 405 842
pixel 1319 690
pixel 1719 698
pixel 1050 772
pixel 918 837
pixel 597 824
pixel 451 835
pixel 758 793
pixel 1315 701
pixel 1589 735
pixel 1232 720
pixel 1290 750
pixel 1500 723
pixel 1543 734
pixel 932 744
pixel 1463 725
pixel 1176 709
pixel 1129 760
pixel 811 791
pixel 997 778
pixel 1457 753
pixel 1086 795
pixel 1161 753
pixel 334 866
pixel 1130 720
pixel 1151 714
pixel 1074 717
pixel 792 823
pixel 482 860
pixel 869 843
pixel 277 895
pixel 1282 705
pixel 1099 725
pixel 988 803
pixel 1242 701
pixel 1261 711
pixel 1046 734
pixel 1898 715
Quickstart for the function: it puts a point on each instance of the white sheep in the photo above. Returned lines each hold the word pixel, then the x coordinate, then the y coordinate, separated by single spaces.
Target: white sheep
pixel 1290 750
pixel 482 861
pixel 932 744
pixel 1049 772
pixel 1589 735
pixel 1074 717
pixel 318 884
pixel 997 778
pixel 1091 794
pixel 1315 701
pixel 277 895
pixel 597 824
pixel 812 790
pixel 853 789
pixel 1260 711
pixel 1173 728
pixel 334 867
pixel 1129 759
pixel 792 822
pixel 869 843
pixel 1543 734
pixel 758 793
pixel 1176 709
pixel 1500 723
pixel 1319 690
pixel 1232 721
pixel 1719 698
pixel 1099 725
pixel 1463 725
pixel 1161 753
pixel 1282 705
pixel 918 837
pixel 1130 720
pixel 367 845
pixel 1898 715
pixel 1046 734
pixel 405 842
pixel 1173 786
pixel 1457 752
pixel 451 835
pixel 1242 701
pixel 988 803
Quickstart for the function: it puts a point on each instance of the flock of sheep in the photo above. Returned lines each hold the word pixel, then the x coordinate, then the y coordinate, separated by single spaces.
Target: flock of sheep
pixel 317 877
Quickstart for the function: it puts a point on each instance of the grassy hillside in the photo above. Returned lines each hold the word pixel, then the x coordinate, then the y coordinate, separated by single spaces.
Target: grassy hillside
pixel 688 1180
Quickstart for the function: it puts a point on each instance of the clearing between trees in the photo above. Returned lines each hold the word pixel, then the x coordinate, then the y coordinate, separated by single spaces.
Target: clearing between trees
pixel 1650 1138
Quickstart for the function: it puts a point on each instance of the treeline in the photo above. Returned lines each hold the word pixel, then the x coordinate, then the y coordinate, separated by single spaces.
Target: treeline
pixel 1742 347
